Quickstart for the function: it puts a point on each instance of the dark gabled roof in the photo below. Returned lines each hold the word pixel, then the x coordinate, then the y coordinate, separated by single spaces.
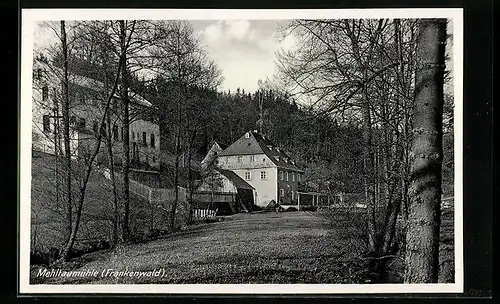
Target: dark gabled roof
pixel 243 146
pixel 211 154
pixel 259 144
pixel 237 181
pixel 92 84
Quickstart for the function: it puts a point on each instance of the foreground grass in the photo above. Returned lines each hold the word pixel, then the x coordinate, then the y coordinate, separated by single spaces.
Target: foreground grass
pixel 290 247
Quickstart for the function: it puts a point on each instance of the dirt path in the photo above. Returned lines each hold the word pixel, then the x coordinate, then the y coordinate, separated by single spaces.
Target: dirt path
pixel 288 247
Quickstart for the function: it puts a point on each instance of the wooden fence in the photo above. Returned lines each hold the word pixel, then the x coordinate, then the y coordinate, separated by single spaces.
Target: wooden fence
pixel 158 196
pixel 203 214
pixel 220 197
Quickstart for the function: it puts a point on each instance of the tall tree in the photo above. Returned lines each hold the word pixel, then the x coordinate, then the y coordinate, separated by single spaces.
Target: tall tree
pixel 89 167
pixel 125 101
pixel 422 240
pixel 361 73
pixel 181 65
pixel 66 133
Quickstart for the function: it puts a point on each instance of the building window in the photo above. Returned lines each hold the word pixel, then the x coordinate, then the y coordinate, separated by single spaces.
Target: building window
pixel 263 175
pixel 252 158
pixel 298 177
pixel 72 120
pixel 45 93
pixel 95 127
pixel 81 123
pixel 247 135
pixel 240 159
pixel 46 123
pixel 282 192
pixel 293 176
pixel 115 132
pixel 281 175
pixel 154 159
pixel 292 195
pixel 133 135
pixel 263 160
pixel 152 140
pixel 248 175
pixel 287 176
pixel 144 142
pixel 39 74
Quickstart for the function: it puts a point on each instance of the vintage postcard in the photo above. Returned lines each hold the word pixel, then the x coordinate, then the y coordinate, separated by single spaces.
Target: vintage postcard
pixel 241 151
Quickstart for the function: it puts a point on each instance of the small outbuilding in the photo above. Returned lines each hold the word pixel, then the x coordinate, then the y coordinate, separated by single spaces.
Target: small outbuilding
pixel 226 191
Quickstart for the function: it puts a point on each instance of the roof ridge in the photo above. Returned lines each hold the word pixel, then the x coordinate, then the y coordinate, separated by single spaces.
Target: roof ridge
pixel 234 178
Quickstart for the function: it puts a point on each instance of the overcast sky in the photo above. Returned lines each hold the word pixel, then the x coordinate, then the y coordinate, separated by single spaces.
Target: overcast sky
pixel 243 49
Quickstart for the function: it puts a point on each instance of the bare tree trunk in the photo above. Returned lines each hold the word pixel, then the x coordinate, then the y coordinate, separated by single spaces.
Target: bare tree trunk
pixel 178 134
pixel 116 216
pixel 57 144
pixel 422 240
pixel 67 147
pixel 111 163
pixel 368 163
pixel 176 175
pixel 176 181
pixel 125 204
pixel 88 171
pixel 190 175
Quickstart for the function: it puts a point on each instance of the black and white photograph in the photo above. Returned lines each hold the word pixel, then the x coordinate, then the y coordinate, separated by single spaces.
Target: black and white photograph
pixel 243 151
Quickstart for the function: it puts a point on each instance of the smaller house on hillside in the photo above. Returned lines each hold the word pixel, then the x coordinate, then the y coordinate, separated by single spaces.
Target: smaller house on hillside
pixel 224 190
pixel 215 149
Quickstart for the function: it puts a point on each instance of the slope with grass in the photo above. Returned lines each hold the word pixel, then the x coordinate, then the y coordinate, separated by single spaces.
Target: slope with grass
pixel 288 247
pixel 96 226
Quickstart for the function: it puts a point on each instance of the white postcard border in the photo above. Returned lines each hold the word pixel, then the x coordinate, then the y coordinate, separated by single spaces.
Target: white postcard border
pixel 29 16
